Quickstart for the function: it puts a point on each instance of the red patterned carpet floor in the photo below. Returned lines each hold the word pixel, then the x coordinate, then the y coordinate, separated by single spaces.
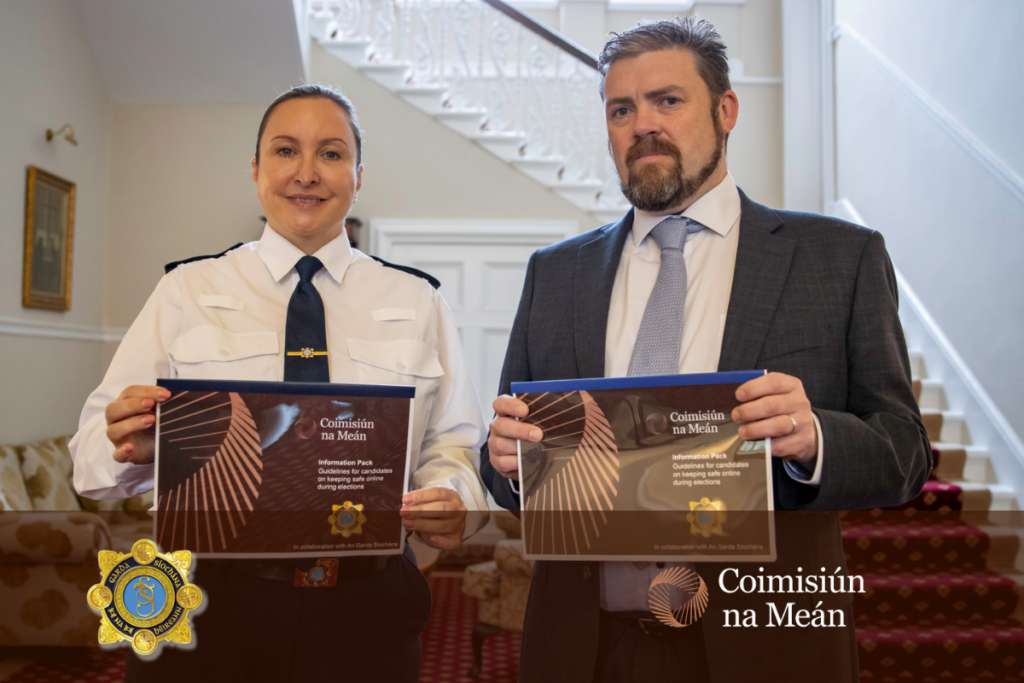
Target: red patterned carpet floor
pixel 61 665
pixel 447 649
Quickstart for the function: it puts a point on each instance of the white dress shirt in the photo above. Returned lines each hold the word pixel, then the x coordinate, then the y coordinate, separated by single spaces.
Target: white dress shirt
pixel 224 318
pixel 710 257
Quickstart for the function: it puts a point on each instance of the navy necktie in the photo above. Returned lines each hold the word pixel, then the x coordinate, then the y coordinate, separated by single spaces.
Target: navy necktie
pixel 305 336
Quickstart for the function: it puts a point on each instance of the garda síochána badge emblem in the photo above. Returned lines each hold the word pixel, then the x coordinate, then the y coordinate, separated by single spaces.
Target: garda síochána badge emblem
pixel 144 597
pixel 706 517
pixel 347 519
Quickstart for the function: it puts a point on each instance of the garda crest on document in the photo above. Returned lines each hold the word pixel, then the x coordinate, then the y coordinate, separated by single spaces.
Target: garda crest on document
pixel 144 597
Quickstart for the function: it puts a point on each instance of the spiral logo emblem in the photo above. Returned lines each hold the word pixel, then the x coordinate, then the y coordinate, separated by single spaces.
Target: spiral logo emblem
pixel 659 597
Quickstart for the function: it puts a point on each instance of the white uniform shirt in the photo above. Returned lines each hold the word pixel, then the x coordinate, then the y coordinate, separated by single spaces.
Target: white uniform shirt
pixel 224 318
pixel 710 257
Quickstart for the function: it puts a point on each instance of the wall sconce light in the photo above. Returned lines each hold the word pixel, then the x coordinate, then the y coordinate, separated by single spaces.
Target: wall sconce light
pixel 66 131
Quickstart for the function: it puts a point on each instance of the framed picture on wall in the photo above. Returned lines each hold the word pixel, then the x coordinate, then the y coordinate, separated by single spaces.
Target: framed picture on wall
pixel 49 241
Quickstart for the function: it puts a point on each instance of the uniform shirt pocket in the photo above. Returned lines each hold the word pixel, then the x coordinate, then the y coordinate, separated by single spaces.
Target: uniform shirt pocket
pixel 395 361
pixel 384 314
pixel 209 352
pixel 230 303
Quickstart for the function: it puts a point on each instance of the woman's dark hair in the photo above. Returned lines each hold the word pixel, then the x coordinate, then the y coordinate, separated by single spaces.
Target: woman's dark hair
pixel 315 92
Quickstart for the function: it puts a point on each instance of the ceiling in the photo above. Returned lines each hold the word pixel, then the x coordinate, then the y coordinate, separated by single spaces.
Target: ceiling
pixel 193 51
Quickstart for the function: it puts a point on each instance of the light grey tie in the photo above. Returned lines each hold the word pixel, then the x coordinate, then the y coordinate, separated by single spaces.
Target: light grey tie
pixel 658 342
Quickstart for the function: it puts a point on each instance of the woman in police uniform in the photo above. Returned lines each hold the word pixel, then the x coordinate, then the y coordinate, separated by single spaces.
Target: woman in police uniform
pixel 232 317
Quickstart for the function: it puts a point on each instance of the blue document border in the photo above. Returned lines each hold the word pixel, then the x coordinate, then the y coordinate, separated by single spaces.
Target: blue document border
pixel 597 383
pixel 293 388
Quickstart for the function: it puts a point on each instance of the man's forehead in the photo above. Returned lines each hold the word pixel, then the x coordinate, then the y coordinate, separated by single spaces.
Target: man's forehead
pixel 652 70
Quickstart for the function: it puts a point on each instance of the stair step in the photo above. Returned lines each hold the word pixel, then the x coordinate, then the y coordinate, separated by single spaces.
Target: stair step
pixel 929 394
pixel 917 367
pixel 351 51
pixel 391 75
pixel 505 146
pixel 887 547
pixel 936 599
pixel 947 426
pixel 993 652
pixel 1006 553
pixel 318 26
pixel 582 193
pixel 967 463
pixel 542 169
pixel 426 98
pixel 465 121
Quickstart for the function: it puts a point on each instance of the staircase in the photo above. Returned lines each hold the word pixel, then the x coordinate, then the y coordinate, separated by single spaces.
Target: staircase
pixel 941 572
pixel 485 70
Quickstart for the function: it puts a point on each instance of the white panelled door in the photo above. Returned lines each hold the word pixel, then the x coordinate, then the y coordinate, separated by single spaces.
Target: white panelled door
pixel 481 266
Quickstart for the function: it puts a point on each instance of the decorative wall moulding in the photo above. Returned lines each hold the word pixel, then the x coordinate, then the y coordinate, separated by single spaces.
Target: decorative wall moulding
pixel 28 328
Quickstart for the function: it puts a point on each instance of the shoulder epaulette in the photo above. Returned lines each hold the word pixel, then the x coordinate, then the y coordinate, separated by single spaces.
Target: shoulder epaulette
pixel 171 266
pixel 434 282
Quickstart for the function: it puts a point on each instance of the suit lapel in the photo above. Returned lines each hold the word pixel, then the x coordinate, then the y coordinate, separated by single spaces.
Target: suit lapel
pixel 762 265
pixel 596 264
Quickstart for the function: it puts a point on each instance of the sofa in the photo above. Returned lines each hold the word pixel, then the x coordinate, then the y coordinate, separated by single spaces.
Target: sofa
pixel 49 541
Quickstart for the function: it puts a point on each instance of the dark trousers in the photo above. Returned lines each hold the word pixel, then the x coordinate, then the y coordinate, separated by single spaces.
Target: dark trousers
pixel 628 655
pixel 257 629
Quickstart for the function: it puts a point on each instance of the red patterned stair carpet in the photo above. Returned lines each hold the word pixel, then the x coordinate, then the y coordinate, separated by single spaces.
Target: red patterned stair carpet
pixel 933 610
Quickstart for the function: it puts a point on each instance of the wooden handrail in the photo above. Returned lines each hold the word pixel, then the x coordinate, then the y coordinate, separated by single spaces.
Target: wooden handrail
pixel 556 39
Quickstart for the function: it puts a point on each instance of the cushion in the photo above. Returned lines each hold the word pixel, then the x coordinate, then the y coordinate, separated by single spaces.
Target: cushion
pixel 13 494
pixel 135 504
pixel 481 581
pixel 509 556
pixel 46 467
pixel 52 537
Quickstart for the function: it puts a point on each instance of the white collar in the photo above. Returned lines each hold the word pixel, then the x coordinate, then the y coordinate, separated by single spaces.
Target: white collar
pixel 717 210
pixel 280 255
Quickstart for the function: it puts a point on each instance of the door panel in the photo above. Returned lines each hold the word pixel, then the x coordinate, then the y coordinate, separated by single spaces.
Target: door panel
pixel 481 267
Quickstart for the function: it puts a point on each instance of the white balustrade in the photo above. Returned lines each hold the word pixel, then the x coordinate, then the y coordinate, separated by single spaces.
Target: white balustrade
pixel 530 94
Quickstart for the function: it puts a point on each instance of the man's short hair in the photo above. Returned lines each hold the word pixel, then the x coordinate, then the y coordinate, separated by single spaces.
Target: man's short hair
pixel 683 33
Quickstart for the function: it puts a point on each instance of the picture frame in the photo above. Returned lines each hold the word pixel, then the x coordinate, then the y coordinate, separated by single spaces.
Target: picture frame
pixel 49 241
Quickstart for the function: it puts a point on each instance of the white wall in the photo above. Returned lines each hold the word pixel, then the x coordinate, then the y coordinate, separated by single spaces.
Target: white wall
pixel 47 79
pixel 181 186
pixel 952 227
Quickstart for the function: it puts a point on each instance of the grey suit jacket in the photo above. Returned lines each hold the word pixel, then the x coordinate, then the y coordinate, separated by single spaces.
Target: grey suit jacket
pixel 812 297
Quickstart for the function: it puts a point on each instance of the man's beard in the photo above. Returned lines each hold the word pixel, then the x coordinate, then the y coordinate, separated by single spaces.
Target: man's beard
pixel 650 188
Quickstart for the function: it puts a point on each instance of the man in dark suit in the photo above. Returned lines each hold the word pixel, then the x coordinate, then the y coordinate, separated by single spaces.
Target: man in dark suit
pixel 811 299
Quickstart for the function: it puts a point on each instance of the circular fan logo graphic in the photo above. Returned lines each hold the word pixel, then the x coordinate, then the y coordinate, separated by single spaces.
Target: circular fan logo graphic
pixel 678 597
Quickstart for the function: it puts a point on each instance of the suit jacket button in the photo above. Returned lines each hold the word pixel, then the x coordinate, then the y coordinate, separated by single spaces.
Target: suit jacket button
pixel 588 573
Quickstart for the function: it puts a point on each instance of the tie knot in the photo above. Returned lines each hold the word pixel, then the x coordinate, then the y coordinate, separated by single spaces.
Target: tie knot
pixel 672 232
pixel 307 267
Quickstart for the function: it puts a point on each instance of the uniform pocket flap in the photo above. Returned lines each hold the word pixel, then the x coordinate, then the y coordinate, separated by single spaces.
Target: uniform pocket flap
pixel 222 301
pixel 209 343
pixel 394 314
pixel 404 356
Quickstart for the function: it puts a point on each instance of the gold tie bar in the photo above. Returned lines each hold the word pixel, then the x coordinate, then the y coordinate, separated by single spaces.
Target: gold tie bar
pixel 307 353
